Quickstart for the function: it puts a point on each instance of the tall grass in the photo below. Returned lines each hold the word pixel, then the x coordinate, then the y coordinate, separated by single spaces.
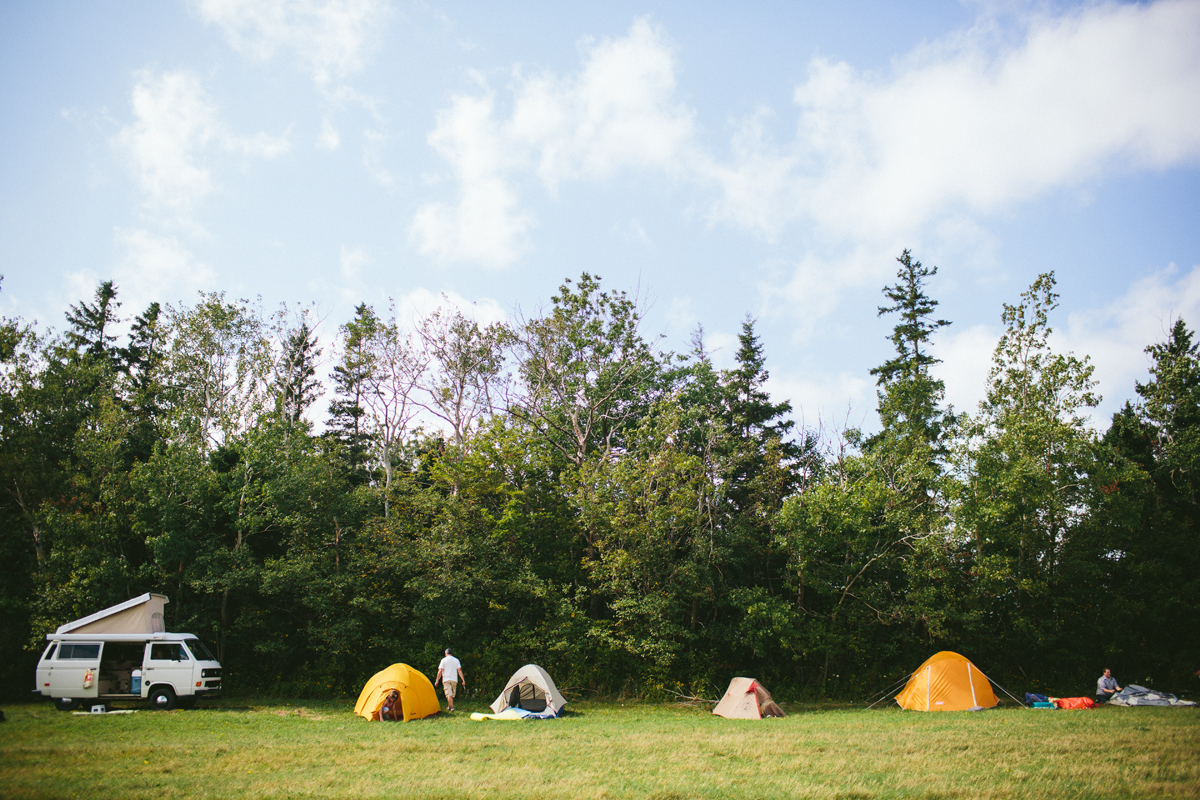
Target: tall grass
pixel 603 750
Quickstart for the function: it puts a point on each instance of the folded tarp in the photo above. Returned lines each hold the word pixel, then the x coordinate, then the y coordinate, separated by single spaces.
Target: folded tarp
pixel 1141 696
pixel 515 713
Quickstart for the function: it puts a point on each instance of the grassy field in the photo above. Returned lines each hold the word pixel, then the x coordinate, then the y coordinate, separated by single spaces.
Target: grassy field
pixel 232 748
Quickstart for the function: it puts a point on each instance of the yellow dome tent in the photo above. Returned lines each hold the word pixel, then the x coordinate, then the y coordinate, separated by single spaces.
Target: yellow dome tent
pixel 947 682
pixel 417 698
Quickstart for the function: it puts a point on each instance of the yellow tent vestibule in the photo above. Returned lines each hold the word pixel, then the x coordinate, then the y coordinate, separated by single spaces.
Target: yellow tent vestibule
pixel 417 697
pixel 947 682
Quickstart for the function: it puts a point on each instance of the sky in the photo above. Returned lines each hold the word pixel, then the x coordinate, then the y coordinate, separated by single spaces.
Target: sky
pixel 719 161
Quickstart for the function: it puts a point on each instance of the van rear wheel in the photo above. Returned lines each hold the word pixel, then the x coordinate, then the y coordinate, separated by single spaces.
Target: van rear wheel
pixel 66 703
pixel 162 698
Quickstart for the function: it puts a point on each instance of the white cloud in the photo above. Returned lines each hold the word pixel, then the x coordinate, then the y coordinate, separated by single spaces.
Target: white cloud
pixel 959 130
pixel 173 120
pixel 633 231
pixel 966 355
pixel 963 124
pixel 331 38
pixel 328 138
pixel 1116 336
pixel 421 302
pixel 830 403
pixel 351 262
pixel 486 226
pixel 157 268
pixel 149 269
pixel 373 160
pixel 174 125
pixel 617 112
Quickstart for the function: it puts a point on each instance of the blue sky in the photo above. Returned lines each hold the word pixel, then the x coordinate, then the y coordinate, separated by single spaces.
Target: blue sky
pixel 719 160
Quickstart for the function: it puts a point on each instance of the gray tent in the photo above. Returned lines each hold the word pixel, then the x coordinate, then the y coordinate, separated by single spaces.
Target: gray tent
pixel 1141 696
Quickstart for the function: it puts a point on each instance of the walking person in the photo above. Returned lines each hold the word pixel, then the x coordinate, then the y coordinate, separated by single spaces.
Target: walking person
pixel 451 675
pixel 1106 687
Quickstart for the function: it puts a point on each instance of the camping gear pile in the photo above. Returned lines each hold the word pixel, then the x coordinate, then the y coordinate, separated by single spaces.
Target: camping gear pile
pixel 1042 701
pixel 1141 696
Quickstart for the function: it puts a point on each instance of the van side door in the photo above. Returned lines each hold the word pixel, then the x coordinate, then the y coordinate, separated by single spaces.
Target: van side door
pixel 167 663
pixel 72 663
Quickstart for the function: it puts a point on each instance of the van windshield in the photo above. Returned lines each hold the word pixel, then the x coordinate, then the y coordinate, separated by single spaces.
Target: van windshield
pixel 199 650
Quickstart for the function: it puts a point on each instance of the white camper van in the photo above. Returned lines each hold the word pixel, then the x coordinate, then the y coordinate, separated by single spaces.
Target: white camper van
pixel 124 653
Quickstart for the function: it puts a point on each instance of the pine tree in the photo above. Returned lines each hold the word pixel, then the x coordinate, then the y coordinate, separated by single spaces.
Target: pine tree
pixel 909 395
pixel 347 423
pixel 90 323
pixel 758 449
pixel 296 374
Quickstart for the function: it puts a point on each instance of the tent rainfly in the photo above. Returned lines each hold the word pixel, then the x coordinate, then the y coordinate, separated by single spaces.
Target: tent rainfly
pixel 947 682
pixel 417 698
pixel 532 689
pixel 142 614
pixel 746 698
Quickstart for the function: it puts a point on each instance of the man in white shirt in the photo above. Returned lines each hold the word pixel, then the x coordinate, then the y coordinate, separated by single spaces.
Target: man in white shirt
pixel 451 675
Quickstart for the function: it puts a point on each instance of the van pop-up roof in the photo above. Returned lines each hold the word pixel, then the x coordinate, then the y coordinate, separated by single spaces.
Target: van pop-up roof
pixel 140 615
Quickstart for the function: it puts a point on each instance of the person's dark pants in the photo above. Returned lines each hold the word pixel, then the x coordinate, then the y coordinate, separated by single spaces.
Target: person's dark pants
pixel 1103 698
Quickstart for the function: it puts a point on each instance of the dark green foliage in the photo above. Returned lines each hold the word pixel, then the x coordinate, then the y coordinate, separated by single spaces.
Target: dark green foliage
pixel 634 521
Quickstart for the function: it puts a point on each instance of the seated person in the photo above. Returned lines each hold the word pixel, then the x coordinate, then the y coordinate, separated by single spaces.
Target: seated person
pixel 1106 687
pixel 392 710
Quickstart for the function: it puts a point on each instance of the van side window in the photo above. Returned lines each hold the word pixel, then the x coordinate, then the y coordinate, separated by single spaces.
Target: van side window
pixel 172 651
pixel 79 651
pixel 49 654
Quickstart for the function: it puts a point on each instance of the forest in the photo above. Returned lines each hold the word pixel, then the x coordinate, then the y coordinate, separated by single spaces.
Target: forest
pixel 559 489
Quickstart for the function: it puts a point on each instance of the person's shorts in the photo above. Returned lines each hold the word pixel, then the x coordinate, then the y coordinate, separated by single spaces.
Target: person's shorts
pixel 449 687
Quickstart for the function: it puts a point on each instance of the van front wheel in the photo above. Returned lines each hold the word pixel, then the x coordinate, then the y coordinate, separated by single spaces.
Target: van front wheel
pixel 162 698
pixel 66 703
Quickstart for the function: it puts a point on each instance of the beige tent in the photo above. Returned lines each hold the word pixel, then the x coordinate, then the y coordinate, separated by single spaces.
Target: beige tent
pixel 532 689
pixel 747 699
pixel 142 614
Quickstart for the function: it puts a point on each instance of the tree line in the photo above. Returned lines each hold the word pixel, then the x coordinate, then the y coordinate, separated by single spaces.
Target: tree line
pixel 559 489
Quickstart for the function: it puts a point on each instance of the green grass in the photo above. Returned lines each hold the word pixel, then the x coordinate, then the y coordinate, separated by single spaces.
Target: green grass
pixel 233 748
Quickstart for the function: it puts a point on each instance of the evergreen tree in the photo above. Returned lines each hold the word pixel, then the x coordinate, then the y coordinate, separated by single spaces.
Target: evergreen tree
pixel 347 411
pixel 296 374
pixel 91 323
pixel 758 449
pixel 1171 405
pixel 141 363
pixel 909 396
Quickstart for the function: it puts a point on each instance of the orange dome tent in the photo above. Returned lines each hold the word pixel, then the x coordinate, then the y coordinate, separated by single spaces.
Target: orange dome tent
pixel 417 697
pixel 947 682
